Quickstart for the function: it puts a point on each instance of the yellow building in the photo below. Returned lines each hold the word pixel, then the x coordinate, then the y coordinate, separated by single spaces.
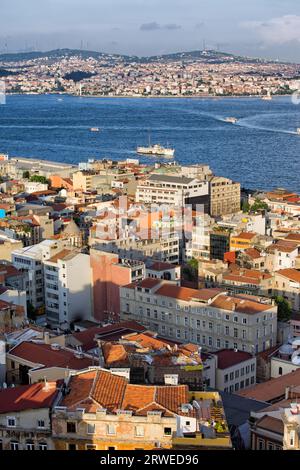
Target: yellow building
pixel 243 241
pixel 101 410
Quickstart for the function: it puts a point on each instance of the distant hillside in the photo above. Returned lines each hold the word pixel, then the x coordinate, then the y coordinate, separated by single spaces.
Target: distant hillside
pixel 210 56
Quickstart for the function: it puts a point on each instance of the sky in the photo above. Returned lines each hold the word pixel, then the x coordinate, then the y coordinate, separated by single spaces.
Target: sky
pixel 260 28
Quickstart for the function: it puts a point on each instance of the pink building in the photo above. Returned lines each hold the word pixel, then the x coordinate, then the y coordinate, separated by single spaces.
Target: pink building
pixel 109 272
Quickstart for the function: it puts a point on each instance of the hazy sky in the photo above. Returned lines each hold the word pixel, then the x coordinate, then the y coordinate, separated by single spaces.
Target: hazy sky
pixel 266 28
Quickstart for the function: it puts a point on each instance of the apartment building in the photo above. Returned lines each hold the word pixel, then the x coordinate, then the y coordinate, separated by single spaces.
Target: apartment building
pixel 165 249
pixel 172 190
pixel 25 416
pixel 243 241
pixel 68 287
pixel 30 260
pixel 103 411
pixel 209 317
pixel 109 272
pixel 235 370
pixel 225 196
pixel 87 181
pixel 287 284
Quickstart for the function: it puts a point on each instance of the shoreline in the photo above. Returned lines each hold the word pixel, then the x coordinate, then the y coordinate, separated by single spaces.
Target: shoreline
pixel 212 97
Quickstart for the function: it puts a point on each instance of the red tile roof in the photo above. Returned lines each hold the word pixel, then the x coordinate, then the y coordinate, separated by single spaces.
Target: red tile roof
pixel 228 358
pixel 103 389
pixel 239 304
pixel 187 294
pixel 27 397
pixel 273 389
pixel 43 354
pixel 291 274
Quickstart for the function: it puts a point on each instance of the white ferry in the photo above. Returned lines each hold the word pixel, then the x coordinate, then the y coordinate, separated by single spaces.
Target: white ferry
pixel 95 129
pixel 156 150
pixel 298 130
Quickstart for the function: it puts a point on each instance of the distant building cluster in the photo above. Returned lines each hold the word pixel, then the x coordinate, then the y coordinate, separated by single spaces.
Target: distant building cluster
pixel 146 307
pixel 109 75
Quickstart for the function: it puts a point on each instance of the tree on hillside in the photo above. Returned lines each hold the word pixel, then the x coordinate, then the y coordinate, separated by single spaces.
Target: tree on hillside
pixel 284 308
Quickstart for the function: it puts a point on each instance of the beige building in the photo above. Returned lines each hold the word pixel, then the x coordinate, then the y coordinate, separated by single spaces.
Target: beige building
pixel 225 196
pixel 103 411
pixel 7 246
pixel 287 284
pixel 209 317
pixel 25 416
pixel 87 181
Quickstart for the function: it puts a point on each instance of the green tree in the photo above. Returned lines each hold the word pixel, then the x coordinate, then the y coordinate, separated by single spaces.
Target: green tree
pixel 39 179
pixel 259 205
pixel 245 206
pixel 284 308
pixel 31 313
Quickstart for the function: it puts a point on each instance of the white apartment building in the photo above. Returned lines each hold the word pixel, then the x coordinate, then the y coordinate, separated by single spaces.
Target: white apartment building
pixel 30 260
pixel 208 317
pixel 235 370
pixel 172 190
pixel 68 290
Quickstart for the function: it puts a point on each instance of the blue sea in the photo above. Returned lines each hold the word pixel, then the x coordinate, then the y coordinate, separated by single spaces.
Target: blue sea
pixel 262 150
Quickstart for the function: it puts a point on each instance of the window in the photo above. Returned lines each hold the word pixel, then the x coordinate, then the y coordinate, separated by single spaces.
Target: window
pixel 11 422
pixel 261 444
pixel 227 330
pixel 91 428
pixel 231 376
pixel 139 431
pixel 178 334
pixel 90 447
pixel 252 380
pixel 226 378
pixel 71 427
pixel 235 332
pixel 280 371
pixel 237 374
pixel 167 431
pixel 292 438
pixel 271 446
pixel 41 423
pixel 43 446
pixel 14 445
pixel 236 387
pixel 72 446
pixel 29 445
pixel 111 429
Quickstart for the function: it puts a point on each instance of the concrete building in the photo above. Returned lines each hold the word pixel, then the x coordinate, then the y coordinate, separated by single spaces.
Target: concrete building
pixel 68 287
pixel 287 284
pixel 108 413
pixel 235 370
pixel 172 190
pixel 225 196
pixel 30 260
pixel 109 272
pixel 7 246
pixel 25 416
pixel 208 317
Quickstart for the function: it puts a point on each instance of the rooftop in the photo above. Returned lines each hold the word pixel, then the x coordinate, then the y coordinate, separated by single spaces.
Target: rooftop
pixel 27 397
pixel 44 355
pixel 229 357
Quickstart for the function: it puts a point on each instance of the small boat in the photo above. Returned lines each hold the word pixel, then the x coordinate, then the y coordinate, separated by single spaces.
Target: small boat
pixel 94 129
pixel 298 130
pixel 232 120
